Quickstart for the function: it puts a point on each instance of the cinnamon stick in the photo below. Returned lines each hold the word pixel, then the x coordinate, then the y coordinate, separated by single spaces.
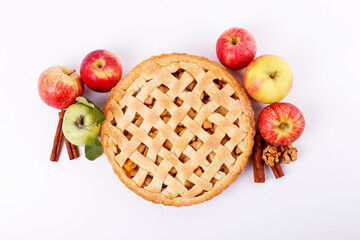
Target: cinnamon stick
pixel 74 150
pixel 279 169
pixel 59 145
pixel 69 149
pixel 57 140
pixel 277 175
pixel 258 163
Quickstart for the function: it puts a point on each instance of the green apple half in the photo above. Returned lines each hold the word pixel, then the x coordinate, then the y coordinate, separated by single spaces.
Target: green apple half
pixel 79 125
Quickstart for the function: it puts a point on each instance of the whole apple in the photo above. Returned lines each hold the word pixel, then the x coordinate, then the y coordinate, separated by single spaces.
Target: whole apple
pixel 281 123
pixel 236 48
pixel 100 70
pixel 79 124
pixel 268 79
pixel 59 86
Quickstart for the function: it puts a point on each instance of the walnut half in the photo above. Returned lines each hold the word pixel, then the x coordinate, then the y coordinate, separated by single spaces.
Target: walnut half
pixel 270 155
pixel 288 154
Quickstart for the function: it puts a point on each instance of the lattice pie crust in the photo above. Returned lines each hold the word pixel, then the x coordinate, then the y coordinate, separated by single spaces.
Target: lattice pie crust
pixel 178 130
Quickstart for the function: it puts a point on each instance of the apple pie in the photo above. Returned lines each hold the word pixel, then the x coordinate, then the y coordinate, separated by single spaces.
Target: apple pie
pixel 179 129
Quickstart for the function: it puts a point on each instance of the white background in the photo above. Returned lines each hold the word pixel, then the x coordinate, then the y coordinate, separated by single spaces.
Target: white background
pixel 317 199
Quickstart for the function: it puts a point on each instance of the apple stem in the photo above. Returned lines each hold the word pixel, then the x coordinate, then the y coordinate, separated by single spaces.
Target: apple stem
pixel 283 126
pixel 233 40
pixel 79 122
pixel 69 73
pixel 272 75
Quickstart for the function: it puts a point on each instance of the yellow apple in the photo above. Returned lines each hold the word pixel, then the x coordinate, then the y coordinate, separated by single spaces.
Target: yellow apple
pixel 268 79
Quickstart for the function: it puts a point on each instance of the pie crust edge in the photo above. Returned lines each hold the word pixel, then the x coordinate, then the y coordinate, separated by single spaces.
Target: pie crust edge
pixel 239 163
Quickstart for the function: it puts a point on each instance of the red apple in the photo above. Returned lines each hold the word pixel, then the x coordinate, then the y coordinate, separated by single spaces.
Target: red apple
pixel 236 48
pixel 281 123
pixel 59 86
pixel 100 70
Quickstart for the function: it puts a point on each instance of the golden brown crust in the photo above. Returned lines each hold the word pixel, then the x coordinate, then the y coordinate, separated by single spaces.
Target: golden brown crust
pixel 220 72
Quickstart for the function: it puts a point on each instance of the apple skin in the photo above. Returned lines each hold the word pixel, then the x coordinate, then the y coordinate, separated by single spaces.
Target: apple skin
pixel 281 123
pixel 236 48
pixel 77 134
pixel 268 78
pixel 100 70
pixel 59 86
